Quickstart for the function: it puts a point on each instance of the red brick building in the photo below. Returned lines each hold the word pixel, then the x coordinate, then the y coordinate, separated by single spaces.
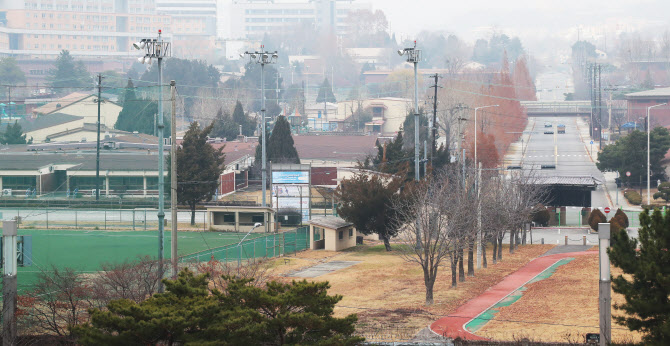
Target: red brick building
pixel 639 102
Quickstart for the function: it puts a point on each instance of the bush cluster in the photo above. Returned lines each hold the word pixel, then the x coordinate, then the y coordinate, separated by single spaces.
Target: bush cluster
pixel 633 197
pixel 595 218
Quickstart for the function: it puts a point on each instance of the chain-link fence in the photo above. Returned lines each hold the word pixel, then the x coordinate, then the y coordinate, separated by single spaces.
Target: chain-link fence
pixel 99 219
pixel 268 246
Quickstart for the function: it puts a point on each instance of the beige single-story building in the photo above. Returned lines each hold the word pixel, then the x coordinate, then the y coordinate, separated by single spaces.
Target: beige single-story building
pixel 331 233
pixel 240 218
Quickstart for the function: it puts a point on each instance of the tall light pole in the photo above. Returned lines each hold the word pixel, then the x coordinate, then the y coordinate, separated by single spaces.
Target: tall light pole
pixel 648 151
pixel 262 58
pixel 479 203
pixel 414 56
pixel 477 108
pixel 156 48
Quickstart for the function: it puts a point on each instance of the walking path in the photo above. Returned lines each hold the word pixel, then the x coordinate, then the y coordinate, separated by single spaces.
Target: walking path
pixel 453 326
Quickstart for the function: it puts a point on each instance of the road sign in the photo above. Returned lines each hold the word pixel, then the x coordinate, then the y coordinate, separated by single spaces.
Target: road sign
pixel 628 174
pixel 591 142
pixel 607 210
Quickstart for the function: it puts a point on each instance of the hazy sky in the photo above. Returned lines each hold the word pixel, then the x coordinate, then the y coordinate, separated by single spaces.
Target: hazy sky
pixel 528 19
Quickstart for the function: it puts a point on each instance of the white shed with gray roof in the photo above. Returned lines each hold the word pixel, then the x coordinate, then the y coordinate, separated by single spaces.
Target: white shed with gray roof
pixel 331 233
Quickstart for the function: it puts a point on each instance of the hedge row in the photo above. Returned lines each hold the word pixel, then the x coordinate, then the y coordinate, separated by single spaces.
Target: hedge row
pixel 633 197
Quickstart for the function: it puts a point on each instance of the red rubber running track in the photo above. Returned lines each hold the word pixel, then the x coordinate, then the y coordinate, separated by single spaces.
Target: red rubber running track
pixel 453 326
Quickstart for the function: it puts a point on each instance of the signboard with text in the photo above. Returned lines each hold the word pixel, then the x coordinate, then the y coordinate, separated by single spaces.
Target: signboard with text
pixel 299 177
pixel 291 190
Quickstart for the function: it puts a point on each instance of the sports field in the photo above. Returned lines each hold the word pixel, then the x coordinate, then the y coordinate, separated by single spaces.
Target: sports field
pixel 86 250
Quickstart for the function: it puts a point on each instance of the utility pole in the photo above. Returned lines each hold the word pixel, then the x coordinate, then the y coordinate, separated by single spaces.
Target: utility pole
pixel 97 147
pixel 414 56
pixel 263 57
pixel 433 129
pixel 156 48
pixel 600 108
pixel 609 122
pixel 479 216
pixel 425 159
pixel 173 180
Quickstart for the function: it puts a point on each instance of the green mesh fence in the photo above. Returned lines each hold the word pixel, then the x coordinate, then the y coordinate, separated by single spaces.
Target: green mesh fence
pixel 268 246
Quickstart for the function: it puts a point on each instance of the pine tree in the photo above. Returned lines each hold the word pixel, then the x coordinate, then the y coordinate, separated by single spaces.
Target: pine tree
pixel 68 74
pixel 241 118
pixel 646 263
pixel 224 126
pixel 199 166
pixel 14 135
pixel 325 93
pixel 192 313
pixel 125 119
pixel 280 147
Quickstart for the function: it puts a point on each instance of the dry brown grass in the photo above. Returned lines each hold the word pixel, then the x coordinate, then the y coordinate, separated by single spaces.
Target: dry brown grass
pixel 563 305
pixel 384 289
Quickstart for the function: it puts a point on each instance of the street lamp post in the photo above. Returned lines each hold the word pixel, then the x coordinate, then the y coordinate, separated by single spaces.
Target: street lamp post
pixel 648 151
pixel 414 56
pixel 156 48
pixel 479 204
pixel 263 57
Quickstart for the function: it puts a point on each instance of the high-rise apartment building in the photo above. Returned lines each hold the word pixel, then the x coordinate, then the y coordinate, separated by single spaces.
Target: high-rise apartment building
pixel 193 26
pixel 251 19
pixel 43 28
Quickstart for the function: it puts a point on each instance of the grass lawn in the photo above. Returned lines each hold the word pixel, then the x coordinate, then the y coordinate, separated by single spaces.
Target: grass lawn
pixel 388 293
pixel 560 308
pixel 86 250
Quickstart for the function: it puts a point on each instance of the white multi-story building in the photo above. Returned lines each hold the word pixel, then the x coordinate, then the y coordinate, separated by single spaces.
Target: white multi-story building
pixel 251 19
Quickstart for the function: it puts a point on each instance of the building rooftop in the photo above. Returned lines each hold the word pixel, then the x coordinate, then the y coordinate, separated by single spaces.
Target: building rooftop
pixel 83 160
pixel 45 121
pixel 660 92
pixel 332 222
pixel 60 103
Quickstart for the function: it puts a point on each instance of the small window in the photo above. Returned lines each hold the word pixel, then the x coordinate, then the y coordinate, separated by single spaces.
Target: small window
pixel 257 218
pixel 351 232
pixel 317 233
pixel 341 235
pixel 229 218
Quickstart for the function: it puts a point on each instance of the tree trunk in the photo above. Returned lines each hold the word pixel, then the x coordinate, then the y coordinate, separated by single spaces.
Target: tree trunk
pixel 495 250
pixel 387 244
pixel 193 214
pixel 471 265
pixel 430 282
pixel 461 269
pixel 512 237
pixel 454 263
pixel 500 239
pixel 484 265
pixel 523 239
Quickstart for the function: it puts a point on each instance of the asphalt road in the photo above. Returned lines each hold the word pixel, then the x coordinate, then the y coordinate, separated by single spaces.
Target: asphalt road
pixel 552 85
pixel 566 151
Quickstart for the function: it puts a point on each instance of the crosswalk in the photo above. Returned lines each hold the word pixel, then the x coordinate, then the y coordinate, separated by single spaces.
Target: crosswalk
pixel 565 155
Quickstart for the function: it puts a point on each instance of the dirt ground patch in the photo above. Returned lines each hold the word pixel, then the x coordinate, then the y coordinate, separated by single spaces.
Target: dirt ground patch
pixel 388 293
pixel 560 308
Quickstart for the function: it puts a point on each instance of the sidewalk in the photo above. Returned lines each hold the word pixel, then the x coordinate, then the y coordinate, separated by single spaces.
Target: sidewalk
pixel 516 151
pixel 453 326
pixel 614 195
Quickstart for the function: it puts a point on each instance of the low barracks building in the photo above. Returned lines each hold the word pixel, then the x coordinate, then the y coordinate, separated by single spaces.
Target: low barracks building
pixel 121 173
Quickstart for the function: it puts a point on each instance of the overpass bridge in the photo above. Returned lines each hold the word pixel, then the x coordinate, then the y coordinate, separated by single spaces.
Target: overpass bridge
pixel 556 108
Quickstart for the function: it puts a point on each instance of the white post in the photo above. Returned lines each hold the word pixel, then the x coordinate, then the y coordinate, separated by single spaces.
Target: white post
pixel 605 300
pixel 173 183
pixel 9 285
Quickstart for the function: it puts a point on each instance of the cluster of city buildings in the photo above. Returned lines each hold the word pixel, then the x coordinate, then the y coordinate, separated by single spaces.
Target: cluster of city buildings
pixel 101 32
